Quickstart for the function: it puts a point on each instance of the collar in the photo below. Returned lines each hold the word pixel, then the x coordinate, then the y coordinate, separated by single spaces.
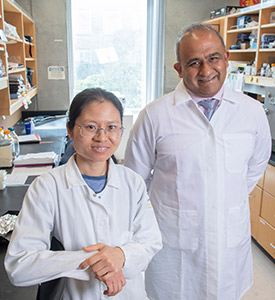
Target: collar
pixel 181 94
pixel 74 178
pixel 218 96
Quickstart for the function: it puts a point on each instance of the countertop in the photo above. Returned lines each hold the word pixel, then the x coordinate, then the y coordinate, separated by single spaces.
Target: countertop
pixel 272 159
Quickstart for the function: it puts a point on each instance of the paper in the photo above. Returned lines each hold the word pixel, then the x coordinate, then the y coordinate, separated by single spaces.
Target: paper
pixel 36 159
pixel 56 72
pixel 19 176
pixel 29 138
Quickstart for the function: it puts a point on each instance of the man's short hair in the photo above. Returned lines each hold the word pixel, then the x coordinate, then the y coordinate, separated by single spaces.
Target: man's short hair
pixel 196 27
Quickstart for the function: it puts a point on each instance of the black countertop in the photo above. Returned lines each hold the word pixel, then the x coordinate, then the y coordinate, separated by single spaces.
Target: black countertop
pixel 272 159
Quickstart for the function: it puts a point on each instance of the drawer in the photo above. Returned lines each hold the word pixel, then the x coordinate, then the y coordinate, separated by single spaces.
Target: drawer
pixel 254 223
pixel 268 208
pixel 255 199
pixel 269 180
pixel 266 237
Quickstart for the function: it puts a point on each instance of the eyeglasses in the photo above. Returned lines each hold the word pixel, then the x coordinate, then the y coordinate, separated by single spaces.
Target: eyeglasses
pixel 111 131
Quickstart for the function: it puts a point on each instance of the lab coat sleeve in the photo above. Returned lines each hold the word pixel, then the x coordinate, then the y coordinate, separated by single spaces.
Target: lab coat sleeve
pixel 140 151
pixel 28 259
pixel 262 151
pixel 146 239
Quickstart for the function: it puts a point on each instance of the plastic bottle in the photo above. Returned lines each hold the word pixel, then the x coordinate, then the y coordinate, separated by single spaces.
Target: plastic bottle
pixel 7 136
pixel 273 70
pixel 32 126
pixel 263 68
pixel 253 69
pixel 15 141
pixel 268 71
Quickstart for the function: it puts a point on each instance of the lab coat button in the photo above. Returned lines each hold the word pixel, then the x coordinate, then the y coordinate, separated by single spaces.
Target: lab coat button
pixel 94 195
pixel 99 197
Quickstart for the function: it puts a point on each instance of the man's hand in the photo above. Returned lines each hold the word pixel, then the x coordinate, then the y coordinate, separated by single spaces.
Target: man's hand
pixel 107 265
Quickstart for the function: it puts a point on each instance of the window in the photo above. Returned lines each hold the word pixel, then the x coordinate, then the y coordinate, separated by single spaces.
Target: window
pixel 112 45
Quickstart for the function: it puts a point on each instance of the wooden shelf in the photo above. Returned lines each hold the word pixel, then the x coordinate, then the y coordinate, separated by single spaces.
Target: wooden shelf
pixel 18 103
pixel 271 25
pixel 14 39
pixel 259 80
pixel 19 48
pixel 267 50
pixel 19 70
pixel 258 55
pixel 246 29
pixel 243 51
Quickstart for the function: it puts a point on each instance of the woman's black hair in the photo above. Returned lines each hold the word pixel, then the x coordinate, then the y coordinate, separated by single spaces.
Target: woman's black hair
pixel 82 99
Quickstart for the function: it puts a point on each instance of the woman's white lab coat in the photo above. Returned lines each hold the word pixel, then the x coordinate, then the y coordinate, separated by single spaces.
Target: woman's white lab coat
pixel 61 204
pixel 202 174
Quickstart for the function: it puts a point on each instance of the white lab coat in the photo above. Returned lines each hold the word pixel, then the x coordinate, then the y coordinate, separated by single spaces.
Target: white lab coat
pixel 61 204
pixel 202 174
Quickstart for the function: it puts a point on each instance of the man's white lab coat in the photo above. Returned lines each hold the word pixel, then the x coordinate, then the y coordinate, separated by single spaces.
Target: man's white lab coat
pixel 202 174
pixel 61 203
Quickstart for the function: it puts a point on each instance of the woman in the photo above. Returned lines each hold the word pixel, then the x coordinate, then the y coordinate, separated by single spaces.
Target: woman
pixel 98 210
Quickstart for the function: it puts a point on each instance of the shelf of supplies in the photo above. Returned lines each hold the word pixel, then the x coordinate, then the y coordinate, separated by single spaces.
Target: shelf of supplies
pixel 246 29
pixel 18 103
pixel 3 83
pixel 259 80
pixel 267 50
pixel 243 51
pixel 270 25
pixel 19 70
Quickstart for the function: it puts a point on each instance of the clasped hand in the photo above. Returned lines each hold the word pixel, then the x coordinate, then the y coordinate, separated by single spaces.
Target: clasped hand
pixel 107 265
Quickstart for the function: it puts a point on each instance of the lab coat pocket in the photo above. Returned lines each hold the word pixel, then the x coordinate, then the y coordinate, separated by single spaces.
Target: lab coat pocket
pixel 238 225
pixel 179 228
pixel 238 150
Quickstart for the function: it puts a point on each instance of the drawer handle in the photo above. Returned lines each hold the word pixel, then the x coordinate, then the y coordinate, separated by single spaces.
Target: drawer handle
pixel 271 244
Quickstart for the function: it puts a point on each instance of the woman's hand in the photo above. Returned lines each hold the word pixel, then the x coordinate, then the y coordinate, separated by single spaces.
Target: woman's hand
pixel 107 265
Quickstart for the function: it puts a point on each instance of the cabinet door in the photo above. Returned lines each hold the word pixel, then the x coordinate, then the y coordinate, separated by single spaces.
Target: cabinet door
pixel 255 199
pixel 268 208
pixel 266 237
pixel 269 180
pixel 261 182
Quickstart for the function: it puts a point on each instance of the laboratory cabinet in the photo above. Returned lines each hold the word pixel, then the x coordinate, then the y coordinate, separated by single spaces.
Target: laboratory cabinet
pixel 262 211
pixel 18 79
pixel 231 30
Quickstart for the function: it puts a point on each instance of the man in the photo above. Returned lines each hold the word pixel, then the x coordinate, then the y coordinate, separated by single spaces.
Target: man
pixel 200 166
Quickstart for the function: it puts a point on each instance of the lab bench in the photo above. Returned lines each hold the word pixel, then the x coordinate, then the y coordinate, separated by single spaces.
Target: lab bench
pixel 53 137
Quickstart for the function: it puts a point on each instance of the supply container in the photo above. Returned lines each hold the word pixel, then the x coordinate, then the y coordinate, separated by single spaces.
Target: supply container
pixel 15 141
